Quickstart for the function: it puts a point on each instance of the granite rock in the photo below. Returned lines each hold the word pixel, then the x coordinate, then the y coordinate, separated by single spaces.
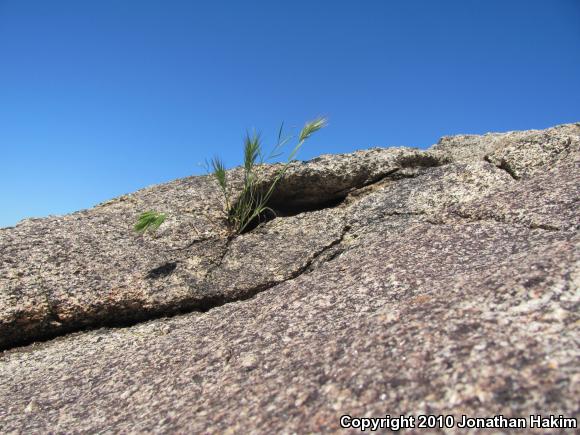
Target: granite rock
pixel 392 281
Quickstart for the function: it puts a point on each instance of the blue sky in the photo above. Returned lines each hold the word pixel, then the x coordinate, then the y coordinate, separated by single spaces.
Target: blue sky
pixel 100 98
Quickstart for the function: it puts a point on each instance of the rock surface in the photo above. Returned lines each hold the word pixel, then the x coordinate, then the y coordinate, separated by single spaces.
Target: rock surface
pixel 394 281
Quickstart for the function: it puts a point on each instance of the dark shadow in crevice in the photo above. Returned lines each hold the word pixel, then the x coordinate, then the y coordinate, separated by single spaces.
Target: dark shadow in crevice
pixel 310 191
pixel 287 208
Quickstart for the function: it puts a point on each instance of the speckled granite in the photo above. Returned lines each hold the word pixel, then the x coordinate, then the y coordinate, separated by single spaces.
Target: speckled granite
pixel 61 274
pixel 443 281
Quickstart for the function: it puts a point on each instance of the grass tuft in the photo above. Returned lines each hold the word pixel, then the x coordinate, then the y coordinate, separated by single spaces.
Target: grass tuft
pixel 312 127
pixel 251 204
pixel 252 201
pixel 149 220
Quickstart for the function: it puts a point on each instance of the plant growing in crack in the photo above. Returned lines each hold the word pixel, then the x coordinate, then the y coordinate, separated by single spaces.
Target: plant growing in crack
pixel 252 202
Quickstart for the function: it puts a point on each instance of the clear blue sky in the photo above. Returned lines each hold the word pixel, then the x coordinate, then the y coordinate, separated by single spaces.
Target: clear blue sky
pixel 100 98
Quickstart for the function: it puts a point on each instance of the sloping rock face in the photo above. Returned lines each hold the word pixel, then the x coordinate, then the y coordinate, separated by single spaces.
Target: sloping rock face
pixel 393 281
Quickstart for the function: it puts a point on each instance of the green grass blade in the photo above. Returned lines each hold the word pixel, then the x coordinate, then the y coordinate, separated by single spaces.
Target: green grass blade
pixel 252 151
pixel 149 220
pixel 312 127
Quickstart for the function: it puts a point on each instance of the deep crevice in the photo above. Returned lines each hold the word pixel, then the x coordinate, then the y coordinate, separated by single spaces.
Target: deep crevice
pixel 292 200
pixel 277 208
pixel 284 204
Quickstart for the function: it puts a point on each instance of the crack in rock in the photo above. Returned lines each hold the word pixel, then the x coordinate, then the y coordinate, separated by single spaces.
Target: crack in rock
pixel 96 276
pixel 210 303
pixel 202 305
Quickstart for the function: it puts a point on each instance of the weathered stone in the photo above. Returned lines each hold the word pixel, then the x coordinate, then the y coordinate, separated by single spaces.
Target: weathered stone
pixel 519 152
pixel 394 281
pixel 90 269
